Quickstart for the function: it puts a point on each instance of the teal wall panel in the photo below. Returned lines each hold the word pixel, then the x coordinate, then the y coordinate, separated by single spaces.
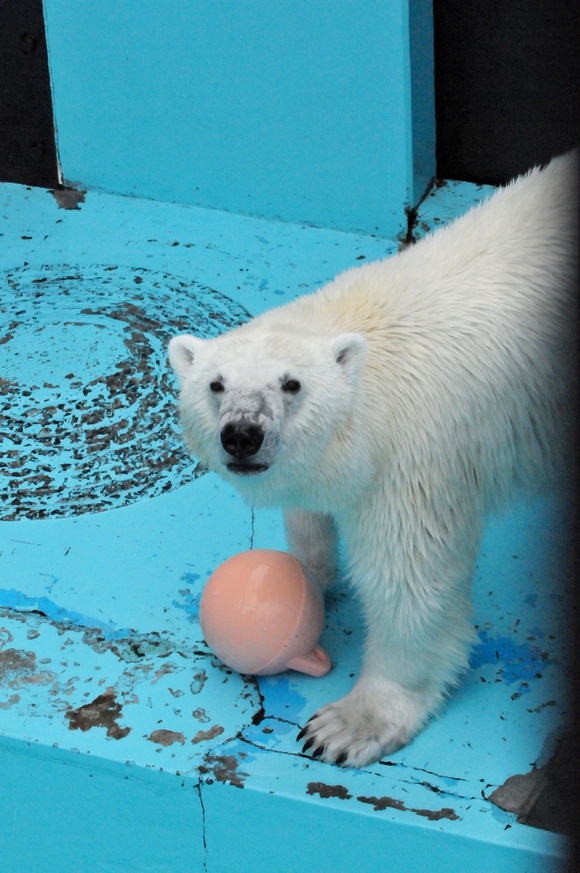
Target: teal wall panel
pixel 293 110
pixel 60 811
pixel 257 831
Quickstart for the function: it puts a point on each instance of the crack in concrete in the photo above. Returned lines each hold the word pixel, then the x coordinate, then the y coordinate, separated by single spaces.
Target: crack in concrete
pixel 260 713
pixel 441 791
pixel 198 788
pixel 252 529
pixel 422 770
pixel 242 739
pixel 444 792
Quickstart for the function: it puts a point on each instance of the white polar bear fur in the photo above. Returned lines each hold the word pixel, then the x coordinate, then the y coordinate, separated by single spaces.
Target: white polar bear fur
pixel 431 384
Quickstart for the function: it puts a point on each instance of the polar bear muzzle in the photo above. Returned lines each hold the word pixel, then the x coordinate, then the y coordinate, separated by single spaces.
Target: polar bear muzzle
pixel 242 441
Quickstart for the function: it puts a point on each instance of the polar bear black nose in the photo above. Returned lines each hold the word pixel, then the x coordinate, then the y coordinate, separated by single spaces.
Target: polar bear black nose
pixel 242 440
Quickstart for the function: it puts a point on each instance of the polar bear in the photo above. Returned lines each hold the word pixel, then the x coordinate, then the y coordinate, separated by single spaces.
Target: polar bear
pixel 393 409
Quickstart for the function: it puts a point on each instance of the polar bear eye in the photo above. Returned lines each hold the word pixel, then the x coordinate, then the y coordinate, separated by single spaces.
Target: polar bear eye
pixel 216 386
pixel 291 386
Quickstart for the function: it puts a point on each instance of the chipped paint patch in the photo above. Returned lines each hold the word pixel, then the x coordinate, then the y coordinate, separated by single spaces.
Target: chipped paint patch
pixel 541 797
pixel 224 768
pixel 126 644
pixel 103 711
pixel 198 682
pixel 201 715
pixel 324 790
pixel 379 804
pixel 201 736
pixel 165 670
pixel 166 738
pixel 19 668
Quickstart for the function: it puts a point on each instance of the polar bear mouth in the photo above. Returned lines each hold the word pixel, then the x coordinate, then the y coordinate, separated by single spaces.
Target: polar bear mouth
pixel 246 469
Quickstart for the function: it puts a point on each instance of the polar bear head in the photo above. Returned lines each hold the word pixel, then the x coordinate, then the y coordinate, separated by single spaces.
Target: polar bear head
pixel 262 406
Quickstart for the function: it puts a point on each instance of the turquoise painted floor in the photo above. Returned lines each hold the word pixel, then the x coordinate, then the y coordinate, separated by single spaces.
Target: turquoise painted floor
pixel 125 745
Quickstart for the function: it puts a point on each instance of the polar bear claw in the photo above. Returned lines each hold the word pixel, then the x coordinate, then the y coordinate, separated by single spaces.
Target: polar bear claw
pixel 376 718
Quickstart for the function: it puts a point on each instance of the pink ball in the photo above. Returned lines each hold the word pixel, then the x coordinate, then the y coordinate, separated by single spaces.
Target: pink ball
pixel 261 613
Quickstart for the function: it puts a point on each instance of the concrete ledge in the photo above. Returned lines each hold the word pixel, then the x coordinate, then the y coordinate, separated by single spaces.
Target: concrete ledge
pixel 125 744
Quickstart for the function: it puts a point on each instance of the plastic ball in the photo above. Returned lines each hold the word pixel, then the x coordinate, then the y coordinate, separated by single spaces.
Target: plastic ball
pixel 261 613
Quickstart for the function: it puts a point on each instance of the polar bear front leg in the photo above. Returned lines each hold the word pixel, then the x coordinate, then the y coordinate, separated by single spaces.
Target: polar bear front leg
pixel 414 590
pixel 389 704
pixel 313 539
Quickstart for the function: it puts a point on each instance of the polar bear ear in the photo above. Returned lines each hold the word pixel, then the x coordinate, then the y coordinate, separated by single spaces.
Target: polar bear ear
pixel 350 351
pixel 182 352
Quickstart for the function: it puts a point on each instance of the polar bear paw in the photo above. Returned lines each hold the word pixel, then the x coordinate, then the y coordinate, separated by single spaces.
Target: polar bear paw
pixel 376 718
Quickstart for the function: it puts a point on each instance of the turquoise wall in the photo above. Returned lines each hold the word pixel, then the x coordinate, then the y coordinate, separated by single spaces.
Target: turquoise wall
pixel 310 112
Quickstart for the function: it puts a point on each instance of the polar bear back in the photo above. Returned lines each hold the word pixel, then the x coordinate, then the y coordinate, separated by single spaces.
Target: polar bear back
pixel 468 333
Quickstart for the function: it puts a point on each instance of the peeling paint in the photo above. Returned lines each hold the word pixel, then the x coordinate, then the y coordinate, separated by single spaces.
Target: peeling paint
pixel 165 737
pixel 201 715
pixel 19 668
pixel 215 731
pixel 324 790
pixel 128 645
pixel 224 768
pixel 165 670
pixel 5 637
pixel 198 681
pixel 190 604
pixel 381 803
pixel 103 711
